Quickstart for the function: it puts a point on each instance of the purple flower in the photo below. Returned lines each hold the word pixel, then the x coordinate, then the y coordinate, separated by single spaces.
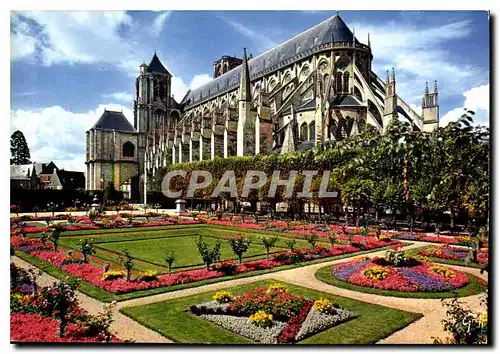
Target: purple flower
pixel 424 282
pixel 26 288
pixel 345 272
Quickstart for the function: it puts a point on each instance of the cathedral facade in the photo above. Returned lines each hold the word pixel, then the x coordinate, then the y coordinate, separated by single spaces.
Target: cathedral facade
pixel 313 89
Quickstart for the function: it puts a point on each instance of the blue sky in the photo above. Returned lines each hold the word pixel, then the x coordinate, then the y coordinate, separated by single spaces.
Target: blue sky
pixel 67 66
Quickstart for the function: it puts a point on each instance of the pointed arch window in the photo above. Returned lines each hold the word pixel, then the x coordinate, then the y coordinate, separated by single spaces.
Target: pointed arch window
pixel 346 82
pixel 338 82
pixel 303 132
pixel 312 131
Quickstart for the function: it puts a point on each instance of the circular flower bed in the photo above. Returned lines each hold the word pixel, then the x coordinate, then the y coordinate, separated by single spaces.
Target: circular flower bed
pixel 420 276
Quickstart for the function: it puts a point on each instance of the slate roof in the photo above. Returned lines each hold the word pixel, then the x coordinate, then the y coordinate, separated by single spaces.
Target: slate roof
pixel 344 100
pixel 20 171
pixel 111 120
pixel 155 66
pixel 334 27
pixel 71 179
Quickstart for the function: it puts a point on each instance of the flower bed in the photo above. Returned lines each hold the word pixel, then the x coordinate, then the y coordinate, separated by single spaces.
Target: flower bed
pixel 380 274
pixel 93 274
pixel 454 253
pixel 422 237
pixel 34 316
pixel 272 315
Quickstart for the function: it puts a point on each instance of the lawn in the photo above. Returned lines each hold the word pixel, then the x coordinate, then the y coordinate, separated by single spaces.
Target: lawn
pixel 152 251
pixel 373 322
pixel 149 246
pixel 474 287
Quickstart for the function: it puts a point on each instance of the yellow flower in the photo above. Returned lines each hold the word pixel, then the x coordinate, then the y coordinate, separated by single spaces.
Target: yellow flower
pixel 277 287
pixel 322 305
pixel 223 296
pixel 443 271
pixel 113 274
pixel 482 319
pixel 261 319
pixel 376 273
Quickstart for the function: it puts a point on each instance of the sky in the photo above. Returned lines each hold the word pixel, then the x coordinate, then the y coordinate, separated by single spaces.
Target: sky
pixel 67 67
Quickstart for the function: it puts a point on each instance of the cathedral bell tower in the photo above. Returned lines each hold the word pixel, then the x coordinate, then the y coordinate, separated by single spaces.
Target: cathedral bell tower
pixel 430 108
pixel 152 105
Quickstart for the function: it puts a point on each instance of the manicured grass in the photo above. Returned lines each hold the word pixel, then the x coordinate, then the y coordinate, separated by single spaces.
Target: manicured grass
pixel 325 275
pixel 184 247
pixel 414 251
pixel 149 246
pixel 105 296
pixel 373 322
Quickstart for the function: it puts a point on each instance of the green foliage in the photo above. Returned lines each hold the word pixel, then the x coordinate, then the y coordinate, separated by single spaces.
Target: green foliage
pixel 464 325
pixel 169 259
pixel 19 150
pixel 55 234
pixel 312 239
pixel 269 242
pixel 126 260
pixel 58 299
pixel 239 245
pixel 207 254
pixel 87 248
pixel 332 237
pixel 291 243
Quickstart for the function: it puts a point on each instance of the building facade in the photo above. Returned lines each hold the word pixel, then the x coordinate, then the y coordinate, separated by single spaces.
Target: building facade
pixel 313 89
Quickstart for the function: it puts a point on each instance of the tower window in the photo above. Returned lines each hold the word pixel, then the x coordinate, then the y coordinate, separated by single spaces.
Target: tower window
pixel 128 149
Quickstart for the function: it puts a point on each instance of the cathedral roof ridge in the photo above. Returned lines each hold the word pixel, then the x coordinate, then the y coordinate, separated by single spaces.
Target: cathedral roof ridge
pixel 317 35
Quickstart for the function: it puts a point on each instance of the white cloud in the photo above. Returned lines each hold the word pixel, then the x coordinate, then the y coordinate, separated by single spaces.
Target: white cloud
pixel 120 96
pixel 418 55
pixel 21 45
pixel 476 99
pixel 179 87
pixel 199 80
pixel 160 21
pixel 54 133
pixel 77 36
pixel 261 38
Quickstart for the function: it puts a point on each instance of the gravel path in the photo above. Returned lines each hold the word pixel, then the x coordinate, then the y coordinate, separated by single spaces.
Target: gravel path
pixel 419 332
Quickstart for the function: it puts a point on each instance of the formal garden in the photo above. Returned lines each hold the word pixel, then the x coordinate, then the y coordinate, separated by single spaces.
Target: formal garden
pixel 229 276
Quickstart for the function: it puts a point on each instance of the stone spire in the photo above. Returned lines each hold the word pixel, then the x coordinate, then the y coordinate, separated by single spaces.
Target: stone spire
pixel 393 75
pixel 289 141
pixel 245 93
pixel 387 77
pixel 435 86
pixel 369 39
pixel 426 88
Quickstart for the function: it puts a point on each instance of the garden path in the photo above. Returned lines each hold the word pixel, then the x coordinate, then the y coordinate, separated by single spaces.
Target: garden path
pixel 419 332
pixel 123 327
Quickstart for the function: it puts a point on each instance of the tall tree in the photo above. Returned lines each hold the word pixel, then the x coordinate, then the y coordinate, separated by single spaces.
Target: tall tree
pixel 19 150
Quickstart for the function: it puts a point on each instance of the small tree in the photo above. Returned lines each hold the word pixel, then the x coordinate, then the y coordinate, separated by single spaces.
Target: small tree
pixel 59 299
pixel 87 248
pixel 332 237
pixel 269 242
pixel 56 234
pixel 127 262
pixel 312 239
pixel 291 243
pixel 239 245
pixel 207 254
pixel 169 259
